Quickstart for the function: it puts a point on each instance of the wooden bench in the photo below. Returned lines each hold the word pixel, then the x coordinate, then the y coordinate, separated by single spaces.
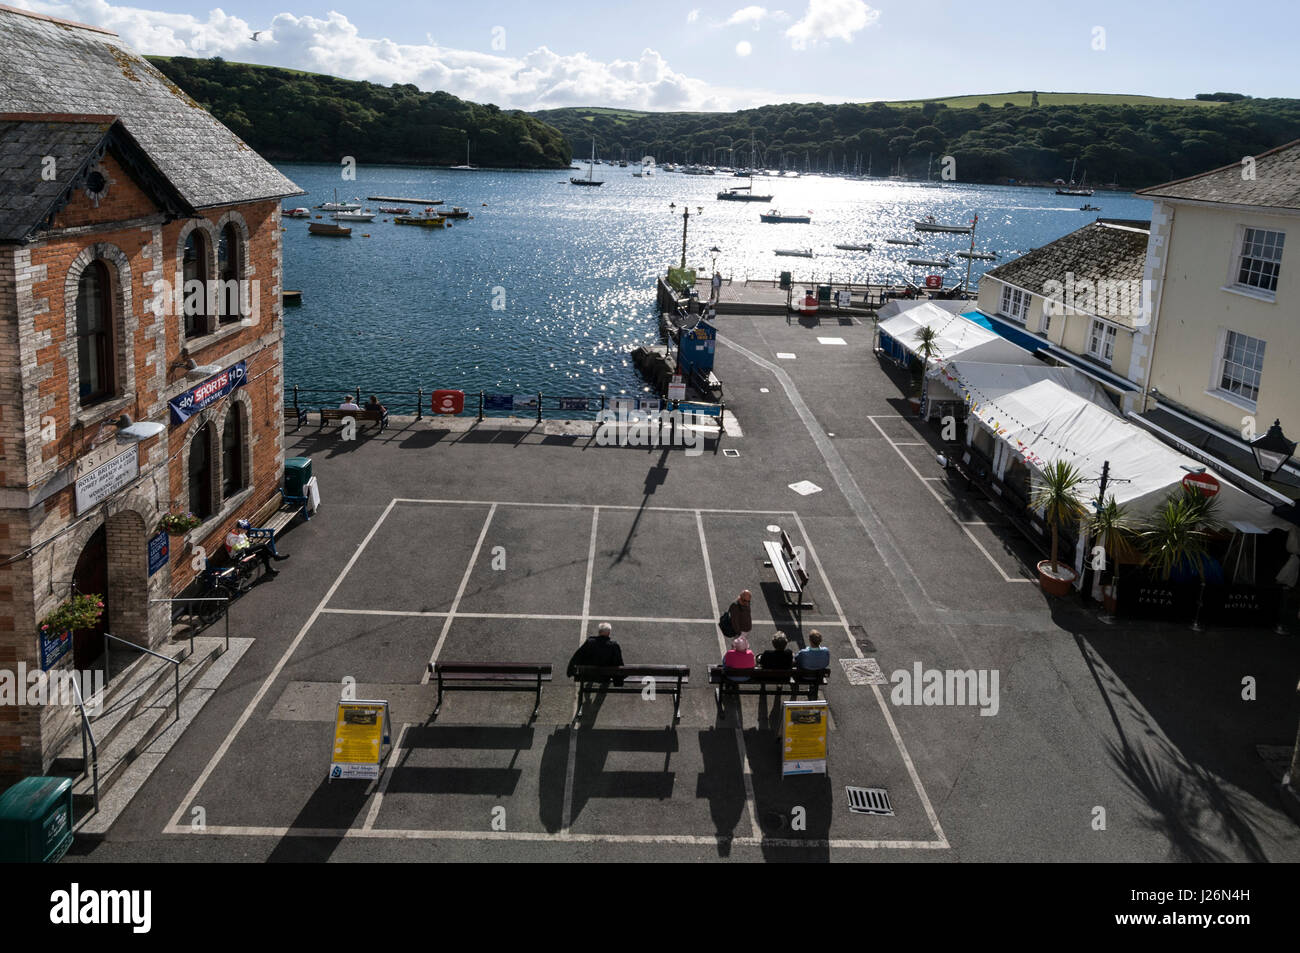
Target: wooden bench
pixel 751 681
pixel 335 415
pixel 295 416
pixel 670 678
pixel 276 514
pixel 790 573
pixel 490 677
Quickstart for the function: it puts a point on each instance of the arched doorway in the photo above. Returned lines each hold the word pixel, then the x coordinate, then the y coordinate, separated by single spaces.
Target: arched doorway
pixel 91 575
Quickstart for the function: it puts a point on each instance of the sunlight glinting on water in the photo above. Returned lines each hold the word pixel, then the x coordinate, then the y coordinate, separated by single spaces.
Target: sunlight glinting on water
pixel 413 307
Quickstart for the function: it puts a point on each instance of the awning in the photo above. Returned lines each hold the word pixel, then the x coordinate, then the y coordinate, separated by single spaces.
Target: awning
pixel 1046 422
pixel 979 383
pixel 957 337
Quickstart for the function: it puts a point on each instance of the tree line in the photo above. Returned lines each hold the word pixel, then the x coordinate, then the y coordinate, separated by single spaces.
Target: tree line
pixel 288 115
pixel 1132 145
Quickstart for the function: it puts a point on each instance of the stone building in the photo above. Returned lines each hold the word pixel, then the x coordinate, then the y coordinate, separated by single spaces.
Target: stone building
pixel 140 348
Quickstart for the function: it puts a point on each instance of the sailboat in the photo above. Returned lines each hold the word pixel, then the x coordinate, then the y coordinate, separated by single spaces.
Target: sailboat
pixel 466 167
pixel 574 180
pixel 1072 190
pixel 330 229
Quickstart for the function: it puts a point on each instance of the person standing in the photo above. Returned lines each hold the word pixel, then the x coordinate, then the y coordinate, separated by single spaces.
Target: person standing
pixel 742 621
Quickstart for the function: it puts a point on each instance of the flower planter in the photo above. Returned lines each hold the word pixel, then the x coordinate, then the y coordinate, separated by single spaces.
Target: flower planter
pixel 1055 584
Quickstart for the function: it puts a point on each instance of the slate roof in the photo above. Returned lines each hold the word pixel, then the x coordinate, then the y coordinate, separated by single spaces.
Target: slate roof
pixel 1276 183
pixel 44 158
pixel 1105 250
pixel 49 66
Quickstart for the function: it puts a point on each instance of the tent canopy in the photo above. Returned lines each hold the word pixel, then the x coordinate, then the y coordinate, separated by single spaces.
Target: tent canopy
pixel 983 382
pixel 1045 422
pixel 957 337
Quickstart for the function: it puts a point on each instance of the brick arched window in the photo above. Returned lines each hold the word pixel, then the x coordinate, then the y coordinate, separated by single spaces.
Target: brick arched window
pixel 229 296
pixel 232 452
pixel 95 335
pixel 200 473
pixel 194 267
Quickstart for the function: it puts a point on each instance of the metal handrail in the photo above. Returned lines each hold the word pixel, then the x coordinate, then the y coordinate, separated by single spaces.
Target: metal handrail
pixel 225 615
pixel 90 764
pixel 166 658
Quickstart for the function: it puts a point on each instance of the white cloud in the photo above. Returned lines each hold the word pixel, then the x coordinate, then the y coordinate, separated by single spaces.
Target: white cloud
pixel 692 16
pixel 743 48
pixel 540 79
pixel 831 20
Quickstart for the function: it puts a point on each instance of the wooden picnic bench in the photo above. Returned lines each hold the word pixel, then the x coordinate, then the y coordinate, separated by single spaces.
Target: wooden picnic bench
pixel 490 677
pixel 790 573
pixel 751 681
pixel 336 415
pixel 611 678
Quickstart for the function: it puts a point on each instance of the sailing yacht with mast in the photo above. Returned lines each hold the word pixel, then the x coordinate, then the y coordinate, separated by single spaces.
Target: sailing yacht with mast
pixel 466 167
pixel 574 180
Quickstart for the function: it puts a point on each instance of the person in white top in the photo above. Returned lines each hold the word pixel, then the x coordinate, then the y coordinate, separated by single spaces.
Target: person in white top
pixel 348 403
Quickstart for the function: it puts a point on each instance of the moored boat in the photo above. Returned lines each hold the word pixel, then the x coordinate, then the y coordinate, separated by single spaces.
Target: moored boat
pixel 457 212
pixel 773 216
pixel 329 229
pixel 929 263
pixel 854 247
pixel 977 255
pixel 296 212
pixel 930 225
pixel 915 242
pixel 794 252
pixel 426 218
pixel 394 210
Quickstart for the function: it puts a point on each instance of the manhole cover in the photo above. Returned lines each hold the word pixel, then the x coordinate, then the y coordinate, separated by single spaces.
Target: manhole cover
pixel 859 635
pixel 805 487
pixel 863 671
pixel 869 801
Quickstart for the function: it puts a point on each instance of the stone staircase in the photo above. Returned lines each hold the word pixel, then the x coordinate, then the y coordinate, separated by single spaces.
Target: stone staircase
pixel 137 723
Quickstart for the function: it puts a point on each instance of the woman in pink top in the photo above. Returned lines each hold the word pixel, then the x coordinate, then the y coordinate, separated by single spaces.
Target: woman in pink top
pixel 740 655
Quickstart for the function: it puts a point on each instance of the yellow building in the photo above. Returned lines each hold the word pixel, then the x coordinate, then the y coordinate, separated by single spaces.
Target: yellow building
pixel 1221 355
pixel 1078 301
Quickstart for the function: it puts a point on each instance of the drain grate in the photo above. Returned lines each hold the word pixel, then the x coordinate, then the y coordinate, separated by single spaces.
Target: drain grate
pixel 869 801
pixel 728 452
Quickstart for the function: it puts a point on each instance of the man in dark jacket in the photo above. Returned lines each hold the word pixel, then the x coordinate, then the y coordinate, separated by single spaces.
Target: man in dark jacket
pixel 599 650
pixel 742 621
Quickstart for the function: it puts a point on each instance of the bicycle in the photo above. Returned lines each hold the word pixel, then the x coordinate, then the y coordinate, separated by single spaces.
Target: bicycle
pixel 225 583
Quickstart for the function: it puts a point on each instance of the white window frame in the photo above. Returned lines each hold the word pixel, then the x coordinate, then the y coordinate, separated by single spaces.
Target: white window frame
pixel 1239 254
pixel 1220 363
pixel 1014 303
pixel 1105 339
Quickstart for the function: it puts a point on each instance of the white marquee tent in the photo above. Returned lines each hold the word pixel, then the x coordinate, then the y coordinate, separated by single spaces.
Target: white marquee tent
pixel 957 337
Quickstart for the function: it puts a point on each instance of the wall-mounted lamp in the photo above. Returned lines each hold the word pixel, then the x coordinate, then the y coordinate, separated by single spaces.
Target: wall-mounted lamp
pixel 127 430
pixel 1272 450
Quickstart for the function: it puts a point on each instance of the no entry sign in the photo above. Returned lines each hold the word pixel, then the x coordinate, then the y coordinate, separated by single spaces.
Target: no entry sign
pixel 1202 483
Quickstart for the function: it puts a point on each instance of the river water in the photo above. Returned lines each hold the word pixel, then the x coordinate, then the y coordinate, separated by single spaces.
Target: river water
pixel 549 285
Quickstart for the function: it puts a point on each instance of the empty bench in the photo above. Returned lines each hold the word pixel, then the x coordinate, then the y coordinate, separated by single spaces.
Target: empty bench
pixel 335 415
pixel 791 575
pixel 753 681
pixel 275 515
pixel 613 678
pixel 490 677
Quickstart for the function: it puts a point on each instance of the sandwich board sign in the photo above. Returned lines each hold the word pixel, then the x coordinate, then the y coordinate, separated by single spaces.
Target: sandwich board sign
pixel 361 731
pixel 804 727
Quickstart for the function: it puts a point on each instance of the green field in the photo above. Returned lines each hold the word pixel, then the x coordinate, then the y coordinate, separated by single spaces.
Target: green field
pixel 1023 98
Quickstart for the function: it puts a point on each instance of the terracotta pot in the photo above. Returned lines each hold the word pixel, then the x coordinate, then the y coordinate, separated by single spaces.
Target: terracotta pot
pixel 1052 585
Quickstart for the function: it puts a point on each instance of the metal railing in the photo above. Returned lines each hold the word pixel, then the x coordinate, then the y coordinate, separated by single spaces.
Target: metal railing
pixel 175 663
pixel 225 614
pixel 89 760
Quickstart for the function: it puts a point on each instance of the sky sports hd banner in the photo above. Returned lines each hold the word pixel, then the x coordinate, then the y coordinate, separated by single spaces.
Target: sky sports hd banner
pixel 186 405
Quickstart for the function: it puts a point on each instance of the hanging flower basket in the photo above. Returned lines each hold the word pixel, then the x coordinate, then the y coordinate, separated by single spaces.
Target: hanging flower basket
pixel 178 524
pixel 80 612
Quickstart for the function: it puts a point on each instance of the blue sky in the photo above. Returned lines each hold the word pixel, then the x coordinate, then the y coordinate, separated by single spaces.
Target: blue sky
pixel 662 54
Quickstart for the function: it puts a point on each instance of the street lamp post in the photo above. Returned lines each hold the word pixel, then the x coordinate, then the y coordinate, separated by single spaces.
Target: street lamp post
pixel 686 220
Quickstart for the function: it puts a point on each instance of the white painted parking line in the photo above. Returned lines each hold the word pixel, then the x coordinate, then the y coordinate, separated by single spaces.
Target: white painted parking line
pixel 784 356
pixel 247 713
pixel 964 528
pixel 566 837
pixel 460 592
pixel 833 341
pixel 588 506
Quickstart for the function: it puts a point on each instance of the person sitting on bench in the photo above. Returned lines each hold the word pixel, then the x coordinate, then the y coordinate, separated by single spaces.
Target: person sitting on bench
pixel 778 656
pixel 374 406
pixel 740 656
pixel 348 403
pixel 599 651
pixel 239 547
pixel 814 655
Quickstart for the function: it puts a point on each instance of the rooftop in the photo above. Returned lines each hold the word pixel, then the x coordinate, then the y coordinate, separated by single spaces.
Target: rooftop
pixel 1275 183
pixel 53 66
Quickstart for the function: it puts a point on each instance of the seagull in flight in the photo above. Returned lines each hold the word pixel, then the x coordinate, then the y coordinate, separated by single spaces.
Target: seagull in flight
pixel 256 34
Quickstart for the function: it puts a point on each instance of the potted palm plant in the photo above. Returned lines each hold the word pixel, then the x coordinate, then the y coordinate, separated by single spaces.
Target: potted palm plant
pixel 927 349
pixel 1176 538
pixel 1057 495
pixel 1115 528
